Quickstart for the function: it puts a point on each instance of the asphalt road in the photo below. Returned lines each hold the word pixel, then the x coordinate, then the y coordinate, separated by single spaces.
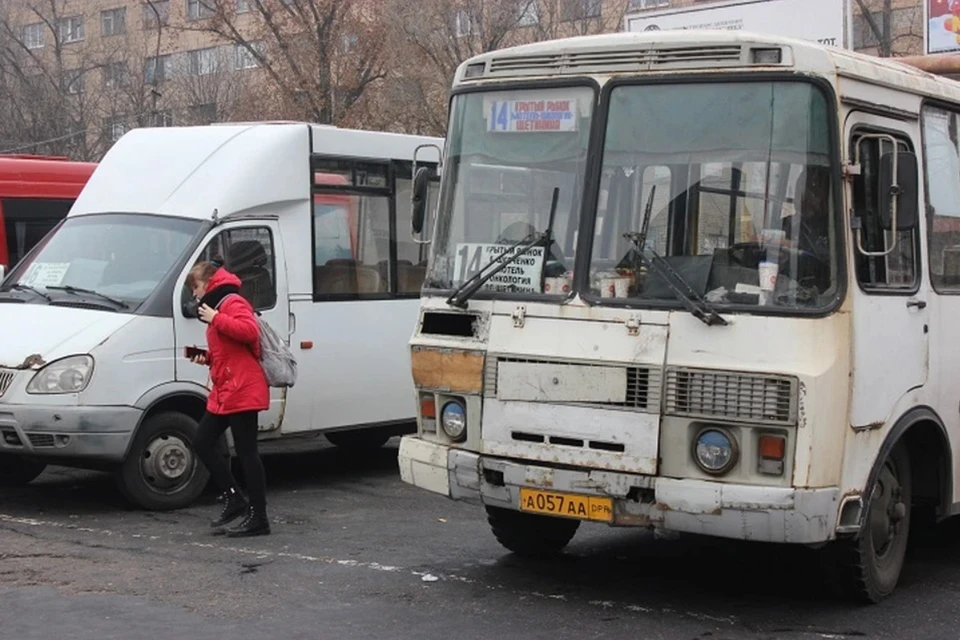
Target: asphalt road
pixel 357 554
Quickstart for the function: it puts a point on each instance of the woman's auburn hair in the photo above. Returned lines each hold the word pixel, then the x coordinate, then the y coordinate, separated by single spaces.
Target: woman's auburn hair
pixel 203 271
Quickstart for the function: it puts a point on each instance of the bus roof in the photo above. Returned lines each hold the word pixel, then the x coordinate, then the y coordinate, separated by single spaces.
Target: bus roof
pixel 694 51
pixel 230 168
pixel 42 177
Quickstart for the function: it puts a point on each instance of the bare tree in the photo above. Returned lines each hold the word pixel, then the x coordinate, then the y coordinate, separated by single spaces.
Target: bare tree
pixel 320 55
pixel 888 29
pixel 43 81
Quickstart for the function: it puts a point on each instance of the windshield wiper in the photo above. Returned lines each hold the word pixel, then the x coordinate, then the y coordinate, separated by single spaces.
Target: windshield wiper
pixel 90 292
pixel 473 284
pixel 16 286
pixel 693 301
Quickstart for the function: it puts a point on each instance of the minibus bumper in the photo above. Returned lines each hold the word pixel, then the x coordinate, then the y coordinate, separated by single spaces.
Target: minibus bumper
pixel 94 433
pixel 743 512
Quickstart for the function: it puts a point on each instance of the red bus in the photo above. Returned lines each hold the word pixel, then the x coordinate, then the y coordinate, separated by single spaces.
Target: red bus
pixel 36 192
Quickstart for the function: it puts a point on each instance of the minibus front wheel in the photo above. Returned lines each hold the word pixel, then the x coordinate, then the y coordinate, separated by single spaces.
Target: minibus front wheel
pixel 161 470
pixel 16 471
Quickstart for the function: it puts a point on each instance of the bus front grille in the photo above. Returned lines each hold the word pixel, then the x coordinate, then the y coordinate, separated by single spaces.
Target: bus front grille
pixel 731 395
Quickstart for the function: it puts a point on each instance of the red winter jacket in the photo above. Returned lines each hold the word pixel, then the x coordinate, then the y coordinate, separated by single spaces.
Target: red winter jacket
pixel 233 349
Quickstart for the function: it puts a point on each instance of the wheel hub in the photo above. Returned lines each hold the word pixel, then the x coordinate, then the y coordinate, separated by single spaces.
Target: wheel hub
pixel 166 462
pixel 887 510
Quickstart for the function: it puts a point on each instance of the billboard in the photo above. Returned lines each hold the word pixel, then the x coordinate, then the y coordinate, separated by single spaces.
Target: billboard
pixel 942 32
pixel 818 20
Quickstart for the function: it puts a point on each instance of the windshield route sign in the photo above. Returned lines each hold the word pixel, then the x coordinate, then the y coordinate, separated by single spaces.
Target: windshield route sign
pixel 521 275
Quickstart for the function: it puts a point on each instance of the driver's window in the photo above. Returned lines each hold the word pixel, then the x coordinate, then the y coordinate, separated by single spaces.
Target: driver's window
pixel 249 254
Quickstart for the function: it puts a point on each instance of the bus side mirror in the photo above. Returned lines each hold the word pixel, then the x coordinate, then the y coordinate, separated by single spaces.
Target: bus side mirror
pixel 3 272
pixel 898 193
pixel 421 187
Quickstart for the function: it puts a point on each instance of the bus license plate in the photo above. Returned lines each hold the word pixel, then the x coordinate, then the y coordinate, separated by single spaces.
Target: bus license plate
pixel 567 505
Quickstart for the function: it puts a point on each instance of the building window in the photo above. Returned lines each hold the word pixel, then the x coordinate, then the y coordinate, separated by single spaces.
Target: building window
pixel 641 5
pixel 73 82
pixel 114 128
pixel 71 29
pixel 464 24
pixel 156 70
pixel 113 22
pixel 243 6
pixel 202 113
pixel 529 13
pixel 201 62
pixel 580 9
pixel 156 14
pixel 116 75
pixel 33 36
pixel 246 59
pixel 161 119
pixel 199 9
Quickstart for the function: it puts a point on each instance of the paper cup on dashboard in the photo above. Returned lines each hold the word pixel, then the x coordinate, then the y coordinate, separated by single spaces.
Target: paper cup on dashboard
pixel 621 287
pixel 556 286
pixel 768 275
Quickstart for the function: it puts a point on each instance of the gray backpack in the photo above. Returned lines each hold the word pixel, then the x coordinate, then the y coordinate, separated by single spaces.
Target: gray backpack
pixel 276 359
pixel 279 365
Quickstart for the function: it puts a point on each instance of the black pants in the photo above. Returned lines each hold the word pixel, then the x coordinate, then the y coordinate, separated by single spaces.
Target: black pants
pixel 243 426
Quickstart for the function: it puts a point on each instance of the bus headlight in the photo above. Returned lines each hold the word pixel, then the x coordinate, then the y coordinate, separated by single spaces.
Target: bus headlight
pixel 715 451
pixel 69 375
pixel 453 420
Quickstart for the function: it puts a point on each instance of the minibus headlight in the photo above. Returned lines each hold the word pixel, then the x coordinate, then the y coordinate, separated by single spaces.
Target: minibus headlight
pixel 715 451
pixel 69 375
pixel 453 420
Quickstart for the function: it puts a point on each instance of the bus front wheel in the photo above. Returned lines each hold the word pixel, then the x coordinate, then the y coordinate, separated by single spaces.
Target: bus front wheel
pixel 531 535
pixel 868 566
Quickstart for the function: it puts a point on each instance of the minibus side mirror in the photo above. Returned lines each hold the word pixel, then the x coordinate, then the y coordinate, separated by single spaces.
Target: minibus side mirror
pixel 898 191
pixel 3 272
pixel 421 187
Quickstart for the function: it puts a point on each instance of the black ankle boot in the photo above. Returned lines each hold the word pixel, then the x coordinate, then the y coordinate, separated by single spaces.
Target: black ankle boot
pixel 234 504
pixel 255 524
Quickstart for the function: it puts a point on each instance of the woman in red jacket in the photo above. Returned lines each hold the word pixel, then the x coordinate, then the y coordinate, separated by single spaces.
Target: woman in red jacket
pixel 239 392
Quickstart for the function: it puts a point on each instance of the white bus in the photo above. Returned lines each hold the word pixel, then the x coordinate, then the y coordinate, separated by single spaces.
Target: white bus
pixel 706 301
pixel 94 321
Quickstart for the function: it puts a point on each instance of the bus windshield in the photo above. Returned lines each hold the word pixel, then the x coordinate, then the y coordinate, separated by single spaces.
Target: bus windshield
pixel 123 256
pixel 730 183
pixel 508 152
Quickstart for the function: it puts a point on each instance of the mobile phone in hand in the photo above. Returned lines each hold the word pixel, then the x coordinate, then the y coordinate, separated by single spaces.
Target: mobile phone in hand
pixel 192 352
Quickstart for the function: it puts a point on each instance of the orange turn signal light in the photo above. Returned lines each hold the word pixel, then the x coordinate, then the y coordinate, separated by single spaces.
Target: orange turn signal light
pixel 772 447
pixel 428 408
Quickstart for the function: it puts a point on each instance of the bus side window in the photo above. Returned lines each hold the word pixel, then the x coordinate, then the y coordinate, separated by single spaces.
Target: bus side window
pixel 898 269
pixel 365 270
pixel 941 150
pixel 411 256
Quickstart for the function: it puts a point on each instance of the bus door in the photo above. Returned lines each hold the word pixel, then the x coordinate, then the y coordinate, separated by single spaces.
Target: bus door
pixel 890 315
pixel 253 252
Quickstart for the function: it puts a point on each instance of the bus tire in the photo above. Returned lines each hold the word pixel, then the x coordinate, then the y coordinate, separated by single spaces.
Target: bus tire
pixel 17 471
pixel 530 535
pixel 161 471
pixel 358 440
pixel 868 566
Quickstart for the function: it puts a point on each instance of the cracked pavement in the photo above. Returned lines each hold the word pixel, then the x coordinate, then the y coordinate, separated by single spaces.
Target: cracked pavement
pixel 357 554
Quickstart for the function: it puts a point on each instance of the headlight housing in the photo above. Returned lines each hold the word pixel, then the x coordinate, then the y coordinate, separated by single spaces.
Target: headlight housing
pixel 68 375
pixel 453 420
pixel 715 451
